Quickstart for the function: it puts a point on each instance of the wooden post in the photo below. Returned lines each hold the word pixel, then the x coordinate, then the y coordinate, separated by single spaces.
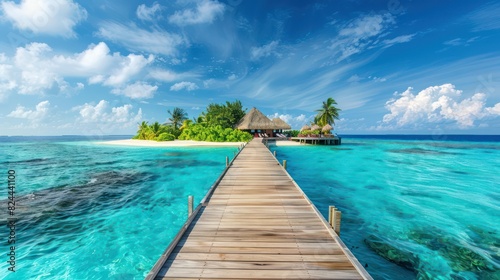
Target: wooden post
pixel 338 217
pixel 284 164
pixel 190 205
pixel 334 217
pixel 274 153
pixel 227 161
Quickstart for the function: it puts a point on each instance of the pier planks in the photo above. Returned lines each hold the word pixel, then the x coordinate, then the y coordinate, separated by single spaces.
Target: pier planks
pixel 258 224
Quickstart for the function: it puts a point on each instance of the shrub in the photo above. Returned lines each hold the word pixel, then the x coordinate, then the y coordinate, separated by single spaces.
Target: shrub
pixel 165 137
pixel 199 132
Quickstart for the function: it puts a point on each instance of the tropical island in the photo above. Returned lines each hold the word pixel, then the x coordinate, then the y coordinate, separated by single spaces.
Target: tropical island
pixel 229 124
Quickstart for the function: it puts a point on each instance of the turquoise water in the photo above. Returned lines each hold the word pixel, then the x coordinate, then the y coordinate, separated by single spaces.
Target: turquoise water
pixel 410 209
pixel 89 211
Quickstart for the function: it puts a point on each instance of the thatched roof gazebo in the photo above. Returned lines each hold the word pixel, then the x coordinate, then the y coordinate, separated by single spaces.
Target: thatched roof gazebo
pixel 305 127
pixel 281 124
pixel 256 123
pixel 254 119
pixel 315 127
pixel 327 128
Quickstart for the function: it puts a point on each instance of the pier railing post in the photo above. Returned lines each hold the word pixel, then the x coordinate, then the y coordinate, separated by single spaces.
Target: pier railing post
pixel 190 205
pixel 227 161
pixel 334 217
pixel 274 153
pixel 284 164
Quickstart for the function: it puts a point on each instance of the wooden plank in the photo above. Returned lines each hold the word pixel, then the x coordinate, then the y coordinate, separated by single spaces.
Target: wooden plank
pixel 257 224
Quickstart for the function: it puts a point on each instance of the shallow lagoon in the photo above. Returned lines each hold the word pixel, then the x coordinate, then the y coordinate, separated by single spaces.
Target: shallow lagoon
pixel 90 211
pixel 105 212
pixel 410 208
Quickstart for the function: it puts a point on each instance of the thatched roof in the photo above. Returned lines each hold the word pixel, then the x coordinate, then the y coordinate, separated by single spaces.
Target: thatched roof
pixel 327 128
pixel 281 124
pixel 254 119
pixel 315 127
pixel 305 127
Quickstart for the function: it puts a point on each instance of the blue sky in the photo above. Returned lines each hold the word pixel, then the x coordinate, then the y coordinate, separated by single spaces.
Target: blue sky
pixel 100 67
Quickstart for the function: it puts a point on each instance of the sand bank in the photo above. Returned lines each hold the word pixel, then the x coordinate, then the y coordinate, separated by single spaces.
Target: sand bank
pixel 176 143
pixel 187 143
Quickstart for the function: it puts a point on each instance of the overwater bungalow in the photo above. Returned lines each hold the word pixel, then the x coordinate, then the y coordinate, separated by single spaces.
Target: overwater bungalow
pixel 257 124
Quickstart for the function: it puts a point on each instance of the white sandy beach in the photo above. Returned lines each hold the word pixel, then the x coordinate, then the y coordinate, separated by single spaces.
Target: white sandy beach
pixel 175 143
pixel 183 143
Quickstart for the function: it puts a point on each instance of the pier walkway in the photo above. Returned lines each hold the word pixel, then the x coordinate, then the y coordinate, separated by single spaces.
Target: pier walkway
pixel 257 224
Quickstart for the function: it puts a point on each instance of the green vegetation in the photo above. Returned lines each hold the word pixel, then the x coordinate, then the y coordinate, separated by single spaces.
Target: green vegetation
pixel 177 116
pixel 224 115
pixel 328 113
pixel 200 132
pixel 155 131
pixel 214 125
pixel 294 133
pixel 310 132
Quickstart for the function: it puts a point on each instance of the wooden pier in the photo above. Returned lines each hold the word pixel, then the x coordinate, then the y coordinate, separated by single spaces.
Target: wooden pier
pixel 318 140
pixel 256 223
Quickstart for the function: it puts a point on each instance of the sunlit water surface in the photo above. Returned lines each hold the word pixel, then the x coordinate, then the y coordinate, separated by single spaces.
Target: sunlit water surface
pixel 89 211
pixel 410 209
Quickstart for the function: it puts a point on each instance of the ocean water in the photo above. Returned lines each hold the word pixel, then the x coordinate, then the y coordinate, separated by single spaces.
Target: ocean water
pixel 413 207
pixel 89 211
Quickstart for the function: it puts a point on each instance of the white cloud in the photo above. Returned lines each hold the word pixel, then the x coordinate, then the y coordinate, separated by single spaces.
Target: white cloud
pixel 486 17
pixel 136 39
pixel 232 77
pixel 129 67
pixel 184 85
pixel 205 11
pixel 138 90
pixel 398 40
pixel 45 16
pixel 148 13
pixel 264 51
pixel 37 114
pixel 360 34
pixel 296 122
pixel 377 79
pixel 354 79
pixel 460 42
pixel 100 113
pixel 35 69
pixel 495 110
pixel 437 104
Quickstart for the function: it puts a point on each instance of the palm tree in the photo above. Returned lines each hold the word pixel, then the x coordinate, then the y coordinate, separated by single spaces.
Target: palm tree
pixel 186 124
pixel 328 113
pixel 143 130
pixel 177 116
pixel 156 129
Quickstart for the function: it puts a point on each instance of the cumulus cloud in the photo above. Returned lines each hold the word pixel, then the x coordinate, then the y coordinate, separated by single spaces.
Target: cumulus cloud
pixel 264 51
pixel 137 90
pixel 38 113
pixel 437 104
pixel 205 11
pixel 148 13
pixel 45 16
pixel 137 39
pixel 35 69
pixel 129 67
pixel 101 113
pixel 184 85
